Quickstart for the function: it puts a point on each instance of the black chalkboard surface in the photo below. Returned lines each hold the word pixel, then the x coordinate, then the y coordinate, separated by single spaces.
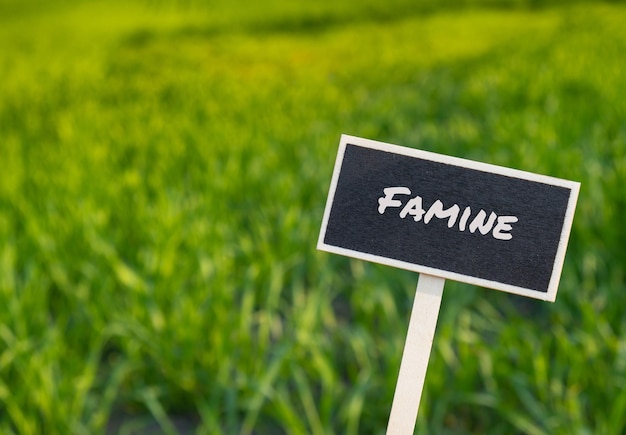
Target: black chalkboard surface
pixel 453 218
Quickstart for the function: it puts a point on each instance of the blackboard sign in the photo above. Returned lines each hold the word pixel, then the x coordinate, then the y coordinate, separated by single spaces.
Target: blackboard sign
pixel 459 219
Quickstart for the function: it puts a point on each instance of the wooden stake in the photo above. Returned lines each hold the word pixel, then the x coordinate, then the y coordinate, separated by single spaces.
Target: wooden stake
pixel 419 340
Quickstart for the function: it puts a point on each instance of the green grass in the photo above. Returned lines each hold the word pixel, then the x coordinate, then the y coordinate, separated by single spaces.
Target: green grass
pixel 163 172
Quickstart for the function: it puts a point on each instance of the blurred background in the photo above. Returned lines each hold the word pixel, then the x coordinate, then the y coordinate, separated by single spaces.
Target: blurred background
pixel 163 172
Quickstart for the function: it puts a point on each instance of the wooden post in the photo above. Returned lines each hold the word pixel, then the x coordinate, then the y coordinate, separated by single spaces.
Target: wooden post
pixel 419 340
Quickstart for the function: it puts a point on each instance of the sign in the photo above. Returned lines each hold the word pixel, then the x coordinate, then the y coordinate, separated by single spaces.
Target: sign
pixel 444 217
pixel 453 218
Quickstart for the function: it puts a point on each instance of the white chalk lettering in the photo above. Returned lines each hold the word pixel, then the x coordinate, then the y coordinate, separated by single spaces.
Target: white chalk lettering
pixel 388 201
pixel 504 225
pixel 414 208
pixel 479 222
pixel 437 210
pixel 498 226
pixel 466 214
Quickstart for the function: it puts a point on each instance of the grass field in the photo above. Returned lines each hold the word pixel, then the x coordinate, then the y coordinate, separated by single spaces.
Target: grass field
pixel 163 172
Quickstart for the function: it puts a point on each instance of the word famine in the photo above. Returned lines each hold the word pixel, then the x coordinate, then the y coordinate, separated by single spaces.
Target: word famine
pixel 498 226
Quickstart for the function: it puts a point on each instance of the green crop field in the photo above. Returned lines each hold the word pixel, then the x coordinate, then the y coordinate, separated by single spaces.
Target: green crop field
pixel 164 167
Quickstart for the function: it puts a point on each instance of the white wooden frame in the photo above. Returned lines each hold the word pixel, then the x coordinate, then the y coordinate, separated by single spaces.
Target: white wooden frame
pixel 574 187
